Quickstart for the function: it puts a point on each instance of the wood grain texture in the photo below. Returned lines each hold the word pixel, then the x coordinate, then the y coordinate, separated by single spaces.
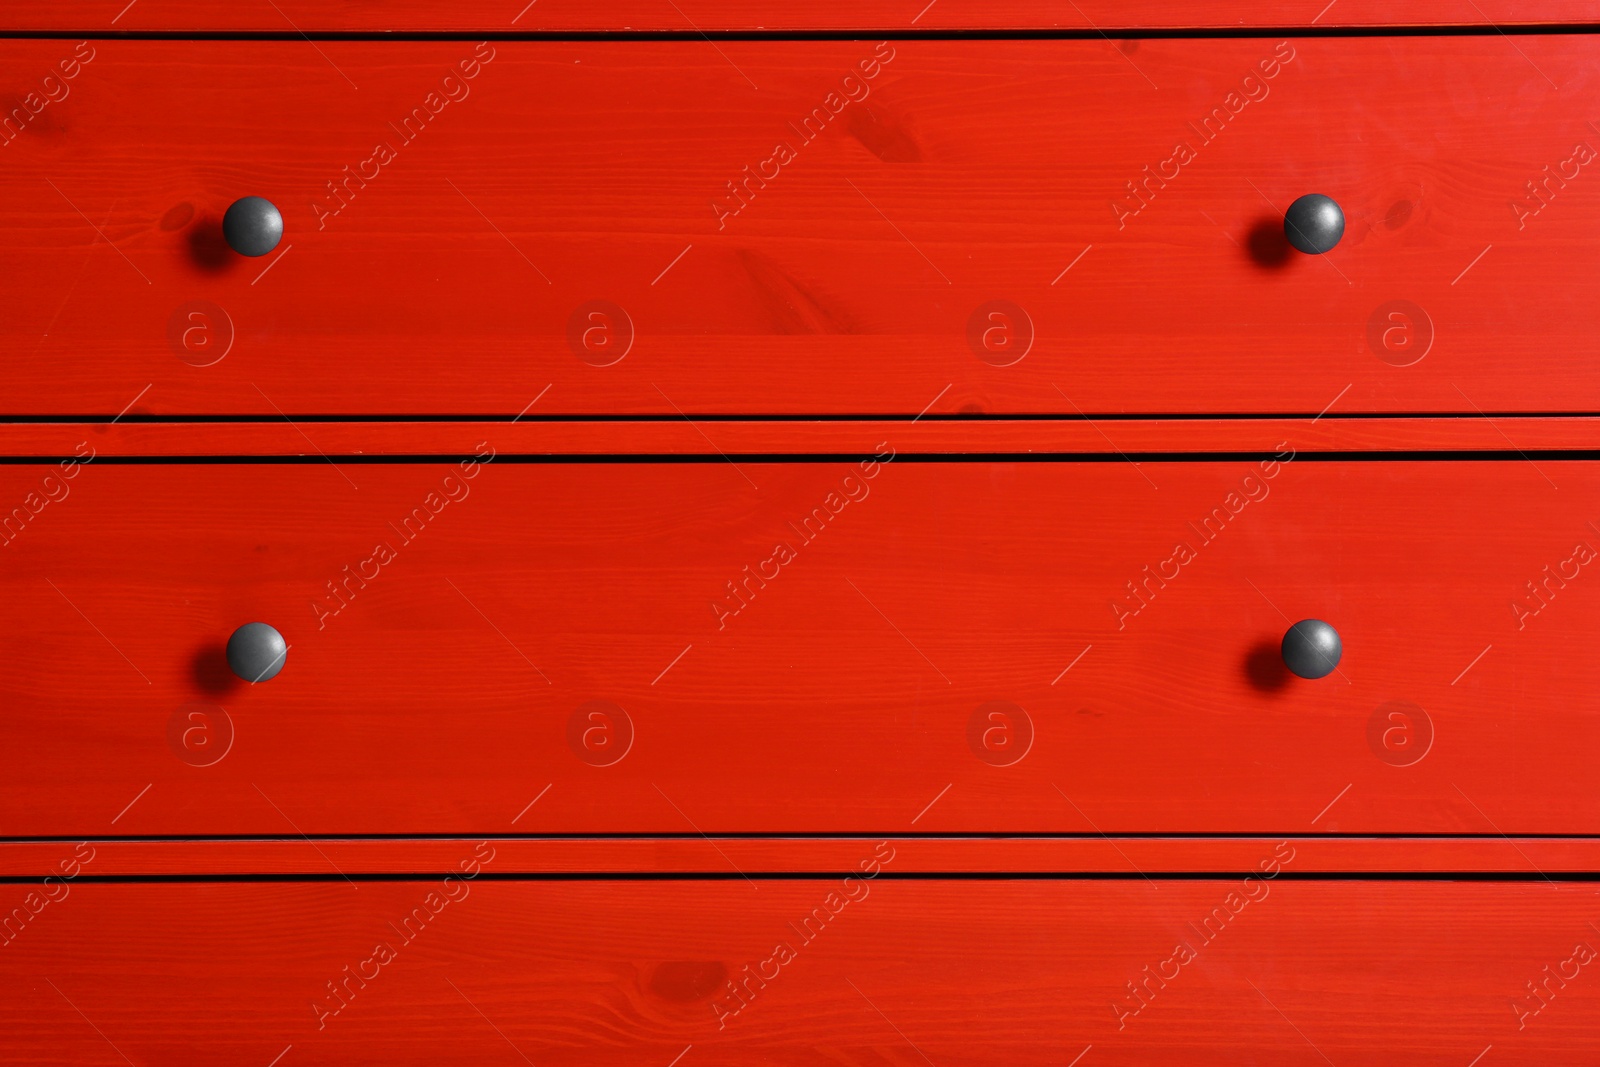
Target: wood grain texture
pixel 953 974
pixel 1529 858
pixel 972 172
pixel 93 16
pixel 848 693
pixel 533 436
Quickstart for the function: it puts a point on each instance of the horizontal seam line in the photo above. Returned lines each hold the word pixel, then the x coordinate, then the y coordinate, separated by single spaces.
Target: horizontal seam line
pixel 841 34
pixel 801 836
pixel 973 418
pixel 976 418
pixel 1531 877
pixel 723 456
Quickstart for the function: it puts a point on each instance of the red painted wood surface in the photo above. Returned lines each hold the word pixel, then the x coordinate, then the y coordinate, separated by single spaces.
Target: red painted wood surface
pixel 972 172
pixel 902 15
pixel 851 692
pixel 909 972
pixel 532 436
pixel 1525 857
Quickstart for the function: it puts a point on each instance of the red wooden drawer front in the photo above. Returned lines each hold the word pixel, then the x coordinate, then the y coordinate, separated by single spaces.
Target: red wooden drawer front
pixel 282 15
pixel 853 690
pixel 861 279
pixel 907 972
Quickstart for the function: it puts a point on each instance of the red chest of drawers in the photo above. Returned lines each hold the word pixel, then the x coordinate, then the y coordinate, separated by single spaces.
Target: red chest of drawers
pixel 732 533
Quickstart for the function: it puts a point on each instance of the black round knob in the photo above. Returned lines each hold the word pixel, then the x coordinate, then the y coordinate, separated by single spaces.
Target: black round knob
pixel 1314 224
pixel 253 226
pixel 1312 648
pixel 256 652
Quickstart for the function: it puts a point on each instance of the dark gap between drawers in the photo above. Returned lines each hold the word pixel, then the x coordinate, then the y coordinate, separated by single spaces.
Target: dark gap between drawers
pixel 956 417
pixel 786 835
pixel 879 33
pixel 1498 454
pixel 817 876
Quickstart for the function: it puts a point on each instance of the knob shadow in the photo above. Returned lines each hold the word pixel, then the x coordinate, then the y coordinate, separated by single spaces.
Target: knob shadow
pixel 1267 244
pixel 1263 666
pixel 207 247
pixel 210 669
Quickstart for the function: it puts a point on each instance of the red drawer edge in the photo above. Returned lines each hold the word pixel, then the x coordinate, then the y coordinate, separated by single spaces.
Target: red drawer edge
pixel 693 436
pixel 1521 857
pixel 736 15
